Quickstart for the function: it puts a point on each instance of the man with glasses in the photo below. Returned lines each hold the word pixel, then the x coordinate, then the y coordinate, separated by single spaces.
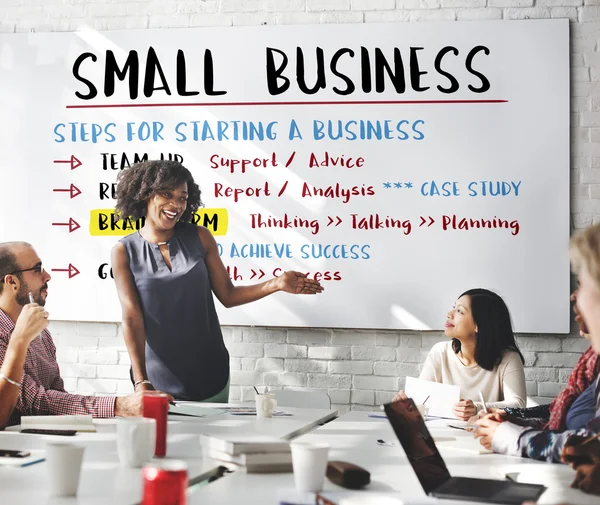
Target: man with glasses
pixel 30 382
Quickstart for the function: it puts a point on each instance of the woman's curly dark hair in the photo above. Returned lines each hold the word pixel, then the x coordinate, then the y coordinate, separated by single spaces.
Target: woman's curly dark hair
pixel 140 181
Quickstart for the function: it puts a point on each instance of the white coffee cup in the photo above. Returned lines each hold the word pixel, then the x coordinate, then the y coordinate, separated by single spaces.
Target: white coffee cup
pixel 423 410
pixel 310 464
pixel 64 468
pixel 136 439
pixel 265 404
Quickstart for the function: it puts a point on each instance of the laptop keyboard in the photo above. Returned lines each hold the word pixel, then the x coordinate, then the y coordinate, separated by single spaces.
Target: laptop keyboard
pixel 476 488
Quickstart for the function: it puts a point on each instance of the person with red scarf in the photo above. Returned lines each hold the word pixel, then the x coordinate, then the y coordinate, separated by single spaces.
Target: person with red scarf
pixel 570 410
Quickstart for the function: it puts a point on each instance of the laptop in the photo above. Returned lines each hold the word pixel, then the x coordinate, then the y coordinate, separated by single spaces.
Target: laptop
pixel 432 472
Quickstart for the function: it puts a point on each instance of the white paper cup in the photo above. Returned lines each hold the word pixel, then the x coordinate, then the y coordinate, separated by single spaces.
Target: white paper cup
pixel 265 404
pixel 64 468
pixel 136 440
pixel 310 464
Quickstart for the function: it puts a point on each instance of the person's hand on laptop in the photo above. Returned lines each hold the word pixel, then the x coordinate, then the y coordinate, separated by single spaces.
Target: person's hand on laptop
pixel 400 395
pixel 464 409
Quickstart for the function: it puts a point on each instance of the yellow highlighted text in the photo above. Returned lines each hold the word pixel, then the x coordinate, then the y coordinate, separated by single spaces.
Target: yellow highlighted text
pixel 104 223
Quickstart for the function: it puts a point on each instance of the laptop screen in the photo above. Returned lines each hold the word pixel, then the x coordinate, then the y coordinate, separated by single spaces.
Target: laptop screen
pixel 418 444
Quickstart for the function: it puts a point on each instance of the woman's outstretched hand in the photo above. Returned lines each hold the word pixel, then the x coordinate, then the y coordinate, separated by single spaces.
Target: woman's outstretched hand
pixel 298 284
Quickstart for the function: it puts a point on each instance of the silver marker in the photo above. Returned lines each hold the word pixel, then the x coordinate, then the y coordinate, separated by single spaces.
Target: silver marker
pixel 485 409
pixel 31 299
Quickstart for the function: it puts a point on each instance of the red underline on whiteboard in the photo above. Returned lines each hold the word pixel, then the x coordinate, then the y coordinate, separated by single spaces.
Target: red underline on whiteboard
pixel 271 104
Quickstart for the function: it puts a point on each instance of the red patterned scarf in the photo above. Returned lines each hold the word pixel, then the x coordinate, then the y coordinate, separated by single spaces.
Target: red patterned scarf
pixel 583 375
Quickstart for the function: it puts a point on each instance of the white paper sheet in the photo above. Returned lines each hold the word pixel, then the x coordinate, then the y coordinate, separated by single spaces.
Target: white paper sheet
pixel 442 397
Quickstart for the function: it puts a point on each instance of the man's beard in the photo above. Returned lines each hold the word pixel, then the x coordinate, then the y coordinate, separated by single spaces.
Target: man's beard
pixel 23 295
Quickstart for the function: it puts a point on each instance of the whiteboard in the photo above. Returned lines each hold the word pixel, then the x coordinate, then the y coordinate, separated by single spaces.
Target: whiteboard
pixel 420 111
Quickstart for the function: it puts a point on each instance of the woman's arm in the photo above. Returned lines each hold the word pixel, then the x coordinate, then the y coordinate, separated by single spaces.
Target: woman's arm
pixel 539 412
pixel 134 331
pixel 232 296
pixel 513 384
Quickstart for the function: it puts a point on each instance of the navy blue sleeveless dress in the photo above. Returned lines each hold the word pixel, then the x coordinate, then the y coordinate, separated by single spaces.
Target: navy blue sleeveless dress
pixel 185 353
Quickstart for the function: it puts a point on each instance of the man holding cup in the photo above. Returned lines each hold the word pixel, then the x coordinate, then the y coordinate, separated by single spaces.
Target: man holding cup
pixel 40 388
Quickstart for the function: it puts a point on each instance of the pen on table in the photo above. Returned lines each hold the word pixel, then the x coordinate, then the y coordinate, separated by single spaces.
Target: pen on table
pixel 587 441
pixel 483 402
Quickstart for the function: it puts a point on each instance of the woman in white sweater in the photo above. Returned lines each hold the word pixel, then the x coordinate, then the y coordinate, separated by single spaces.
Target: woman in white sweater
pixel 482 355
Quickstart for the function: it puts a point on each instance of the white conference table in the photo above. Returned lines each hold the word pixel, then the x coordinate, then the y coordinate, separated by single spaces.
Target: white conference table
pixel 105 482
pixel 353 438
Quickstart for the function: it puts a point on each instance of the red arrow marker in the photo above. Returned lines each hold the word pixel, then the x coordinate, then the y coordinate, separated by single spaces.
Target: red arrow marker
pixel 339 221
pixel 74 190
pixel 72 224
pixel 253 273
pixel 73 161
pixel 431 221
pixel 72 270
pixel 423 221
pixel 262 274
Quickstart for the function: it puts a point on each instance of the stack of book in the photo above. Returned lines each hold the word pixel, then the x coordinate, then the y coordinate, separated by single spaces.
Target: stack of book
pixel 252 454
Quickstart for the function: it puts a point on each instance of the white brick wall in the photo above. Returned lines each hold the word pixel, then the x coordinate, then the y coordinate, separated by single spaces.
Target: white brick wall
pixel 355 376
pixel 358 369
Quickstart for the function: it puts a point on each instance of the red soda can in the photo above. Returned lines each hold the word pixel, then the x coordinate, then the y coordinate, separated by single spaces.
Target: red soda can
pixel 156 406
pixel 165 483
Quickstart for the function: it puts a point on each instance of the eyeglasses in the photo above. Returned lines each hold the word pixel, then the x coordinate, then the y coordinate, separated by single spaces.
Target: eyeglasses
pixel 35 268
pixel 38 269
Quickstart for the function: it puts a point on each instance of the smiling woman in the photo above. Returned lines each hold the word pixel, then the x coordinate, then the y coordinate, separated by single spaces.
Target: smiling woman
pixel 166 274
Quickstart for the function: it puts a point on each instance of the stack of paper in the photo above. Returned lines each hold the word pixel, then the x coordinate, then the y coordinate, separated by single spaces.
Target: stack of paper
pixel 77 423
pixel 253 454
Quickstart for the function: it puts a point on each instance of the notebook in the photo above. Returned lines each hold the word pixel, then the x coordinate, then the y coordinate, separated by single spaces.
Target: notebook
pixel 83 423
pixel 431 470
pixel 249 459
pixel 241 444
pixel 193 410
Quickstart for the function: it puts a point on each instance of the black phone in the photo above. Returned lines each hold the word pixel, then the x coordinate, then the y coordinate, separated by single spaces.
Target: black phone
pixel 64 433
pixel 7 453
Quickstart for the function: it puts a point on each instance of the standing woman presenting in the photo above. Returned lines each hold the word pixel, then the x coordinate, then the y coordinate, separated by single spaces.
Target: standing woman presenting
pixel 166 274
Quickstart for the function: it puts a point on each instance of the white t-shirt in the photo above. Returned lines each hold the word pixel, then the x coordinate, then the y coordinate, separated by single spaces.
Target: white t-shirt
pixel 503 387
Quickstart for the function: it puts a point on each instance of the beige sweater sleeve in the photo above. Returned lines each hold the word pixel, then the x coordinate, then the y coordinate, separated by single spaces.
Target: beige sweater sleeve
pixel 512 375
